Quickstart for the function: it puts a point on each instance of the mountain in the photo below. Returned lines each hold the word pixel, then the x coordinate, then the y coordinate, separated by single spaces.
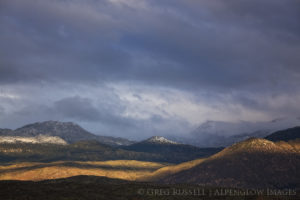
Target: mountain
pixel 253 163
pixel 285 135
pixel 171 150
pixel 221 133
pixel 68 131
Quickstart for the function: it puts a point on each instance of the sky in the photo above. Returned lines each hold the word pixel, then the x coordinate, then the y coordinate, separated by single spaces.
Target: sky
pixel 137 68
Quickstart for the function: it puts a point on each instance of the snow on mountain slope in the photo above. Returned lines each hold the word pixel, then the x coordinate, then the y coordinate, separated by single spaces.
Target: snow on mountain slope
pixel 160 140
pixel 39 139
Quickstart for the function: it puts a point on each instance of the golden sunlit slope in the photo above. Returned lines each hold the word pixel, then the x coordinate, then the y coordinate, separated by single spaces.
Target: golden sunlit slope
pixel 169 170
pixel 122 169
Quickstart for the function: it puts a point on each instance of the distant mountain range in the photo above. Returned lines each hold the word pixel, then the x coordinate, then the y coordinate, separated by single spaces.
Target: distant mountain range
pixel 208 134
pixel 67 131
pixel 58 141
pixel 96 151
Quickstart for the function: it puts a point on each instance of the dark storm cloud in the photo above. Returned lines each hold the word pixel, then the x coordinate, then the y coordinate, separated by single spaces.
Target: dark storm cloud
pixel 74 108
pixel 58 40
pixel 77 108
pixel 219 44
pixel 226 48
pixel 82 109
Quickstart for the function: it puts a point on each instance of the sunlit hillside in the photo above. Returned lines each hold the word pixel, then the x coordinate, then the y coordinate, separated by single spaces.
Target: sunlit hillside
pixel 122 169
pixel 251 163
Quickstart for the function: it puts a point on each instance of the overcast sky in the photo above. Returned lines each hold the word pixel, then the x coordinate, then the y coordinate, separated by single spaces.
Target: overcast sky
pixel 136 68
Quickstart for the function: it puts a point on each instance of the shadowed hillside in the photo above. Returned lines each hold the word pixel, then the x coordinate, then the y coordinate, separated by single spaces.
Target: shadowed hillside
pixel 79 151
pixel 96 151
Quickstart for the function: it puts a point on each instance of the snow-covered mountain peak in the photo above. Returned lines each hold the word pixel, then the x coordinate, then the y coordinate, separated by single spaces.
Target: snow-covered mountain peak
pixel 160 140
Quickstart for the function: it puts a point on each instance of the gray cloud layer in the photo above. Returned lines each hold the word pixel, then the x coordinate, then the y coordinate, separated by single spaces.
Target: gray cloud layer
pixel 244 52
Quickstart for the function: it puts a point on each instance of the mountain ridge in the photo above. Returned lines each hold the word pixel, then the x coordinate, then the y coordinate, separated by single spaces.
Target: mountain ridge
pixel 68 131
pixel 251 163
